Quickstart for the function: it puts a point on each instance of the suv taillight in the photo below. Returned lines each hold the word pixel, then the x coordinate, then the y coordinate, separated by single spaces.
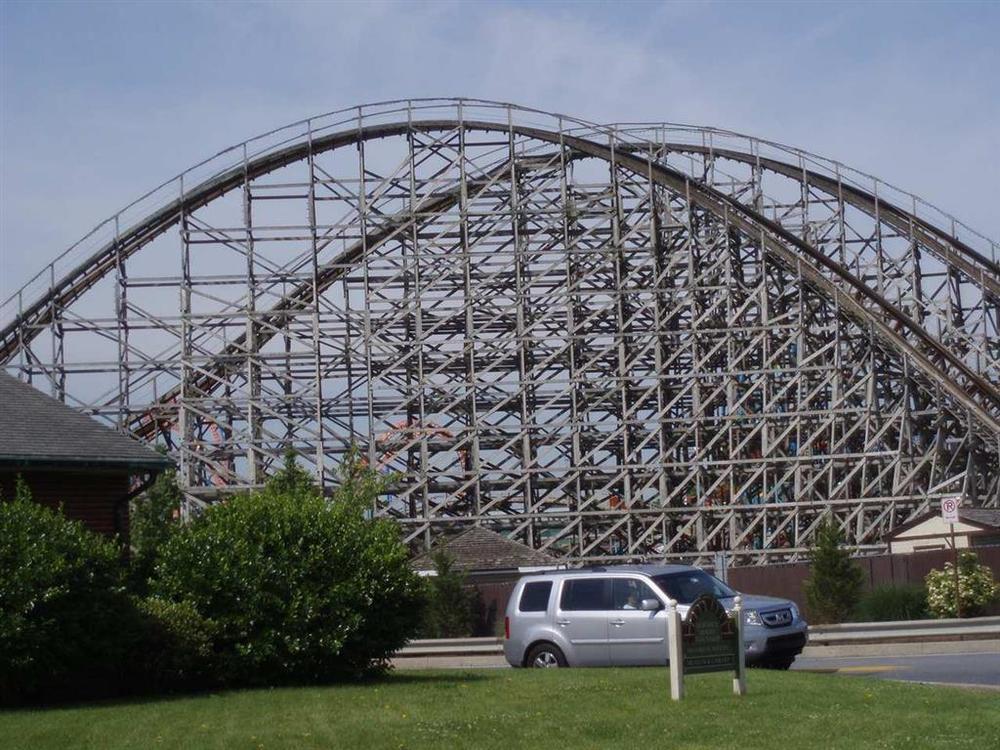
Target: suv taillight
pixel 506 628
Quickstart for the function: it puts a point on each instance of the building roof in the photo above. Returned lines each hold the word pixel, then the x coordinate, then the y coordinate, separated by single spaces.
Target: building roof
pixel 987 519
pixel 482 549
pixel 37 430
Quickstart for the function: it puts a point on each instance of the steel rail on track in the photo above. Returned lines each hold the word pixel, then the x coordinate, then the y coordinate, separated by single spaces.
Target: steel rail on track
pixel 949 248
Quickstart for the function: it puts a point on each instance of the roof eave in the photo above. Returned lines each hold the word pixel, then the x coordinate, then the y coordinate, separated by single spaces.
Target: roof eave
pixel 71 462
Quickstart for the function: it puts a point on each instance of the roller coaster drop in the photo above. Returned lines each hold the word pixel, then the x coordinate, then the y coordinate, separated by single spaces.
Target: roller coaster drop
pixel 608 342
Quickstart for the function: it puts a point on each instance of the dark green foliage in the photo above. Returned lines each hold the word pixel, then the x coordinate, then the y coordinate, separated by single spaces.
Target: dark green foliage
pixel 279 586
pixel 299 588
pixel 63 604
pixel 291 477
pixel 834 584
pixel 451 607
pixel 155 516
pixel 171 647
pixel 892 603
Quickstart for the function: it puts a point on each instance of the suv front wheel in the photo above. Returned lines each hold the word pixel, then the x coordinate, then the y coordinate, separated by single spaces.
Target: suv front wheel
pixel 545 656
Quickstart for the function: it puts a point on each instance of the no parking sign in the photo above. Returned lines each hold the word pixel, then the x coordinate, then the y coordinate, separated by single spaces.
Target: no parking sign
pixel 949 509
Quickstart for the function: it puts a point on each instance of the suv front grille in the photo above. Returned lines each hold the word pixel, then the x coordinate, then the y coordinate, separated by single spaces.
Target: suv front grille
pixel 778 618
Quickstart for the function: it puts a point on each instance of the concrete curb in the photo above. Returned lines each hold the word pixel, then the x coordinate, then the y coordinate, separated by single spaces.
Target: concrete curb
pixel 450 662
pixel 909 632
pixel 458 647
pixel 852 627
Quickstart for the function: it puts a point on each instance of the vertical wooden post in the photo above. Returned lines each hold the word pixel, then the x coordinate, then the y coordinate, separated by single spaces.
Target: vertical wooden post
pixel 740 680
pixel 958 590
pixel 674 645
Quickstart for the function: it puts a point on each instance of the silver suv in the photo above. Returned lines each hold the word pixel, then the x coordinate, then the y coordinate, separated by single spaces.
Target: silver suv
pixel 616 616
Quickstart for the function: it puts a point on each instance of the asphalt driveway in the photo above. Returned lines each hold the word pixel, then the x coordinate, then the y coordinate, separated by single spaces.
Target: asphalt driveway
pixel 957 669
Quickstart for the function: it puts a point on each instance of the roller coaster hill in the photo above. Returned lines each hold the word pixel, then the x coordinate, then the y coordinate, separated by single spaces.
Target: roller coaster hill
pixel 609 342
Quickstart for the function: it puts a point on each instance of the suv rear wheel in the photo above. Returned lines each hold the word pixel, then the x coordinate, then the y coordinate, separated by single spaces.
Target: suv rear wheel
pixel 545 656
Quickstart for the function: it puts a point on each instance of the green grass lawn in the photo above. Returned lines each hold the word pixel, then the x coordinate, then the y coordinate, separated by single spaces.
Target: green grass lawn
pixel 504 709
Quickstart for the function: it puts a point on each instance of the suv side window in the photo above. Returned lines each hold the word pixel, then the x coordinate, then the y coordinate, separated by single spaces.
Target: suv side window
pixel 628 593
pixel 535 597
pixel 586 594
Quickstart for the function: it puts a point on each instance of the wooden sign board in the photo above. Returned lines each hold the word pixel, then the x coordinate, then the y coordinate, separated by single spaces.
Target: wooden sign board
pixel 708 640
pixel 709 634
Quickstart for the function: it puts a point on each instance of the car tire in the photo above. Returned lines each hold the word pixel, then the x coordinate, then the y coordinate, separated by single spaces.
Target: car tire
pixel 545 656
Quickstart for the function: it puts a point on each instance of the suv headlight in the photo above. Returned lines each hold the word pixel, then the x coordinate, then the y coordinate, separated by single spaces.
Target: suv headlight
pixel 795 611
pixel 751 617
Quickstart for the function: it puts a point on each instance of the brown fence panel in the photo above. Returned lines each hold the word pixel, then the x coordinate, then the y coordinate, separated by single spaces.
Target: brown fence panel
pixel 786 581
pixel 491 605
pixel 772 580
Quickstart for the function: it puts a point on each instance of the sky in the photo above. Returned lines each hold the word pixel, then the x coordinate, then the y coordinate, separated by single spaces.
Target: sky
pixel 100 102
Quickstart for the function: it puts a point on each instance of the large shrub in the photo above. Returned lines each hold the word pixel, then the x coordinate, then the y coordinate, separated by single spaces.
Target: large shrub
pixel 451 607
pixel 299 587
pixel 834 584
pixel 171 647
pixel 63 605
pixel 154 517
pixel 893 603
pixel 976 588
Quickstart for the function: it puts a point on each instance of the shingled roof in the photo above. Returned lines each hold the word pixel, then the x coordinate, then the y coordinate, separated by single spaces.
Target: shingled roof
pixel 981 516
pixel 480 549
pixel 37 430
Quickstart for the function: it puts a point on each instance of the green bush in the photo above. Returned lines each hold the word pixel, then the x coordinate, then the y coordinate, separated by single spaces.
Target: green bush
pixel 834 584
pixel 171 647
pixel 976 586
pixel 63 605
pixel 451 607
pixel 299 588
pixel 892 603
pixel 154 517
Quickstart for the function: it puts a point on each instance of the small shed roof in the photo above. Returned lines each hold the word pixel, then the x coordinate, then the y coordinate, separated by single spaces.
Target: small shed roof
pixel 480 549
pixel 37 430
pixel 987 519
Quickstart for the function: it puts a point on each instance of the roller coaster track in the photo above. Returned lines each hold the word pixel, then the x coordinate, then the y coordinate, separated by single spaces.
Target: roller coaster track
pixel 525 166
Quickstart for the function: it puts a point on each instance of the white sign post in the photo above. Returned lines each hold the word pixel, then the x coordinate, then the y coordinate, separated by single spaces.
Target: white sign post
pixel 674 650
pixel 740 680
pixel 949 514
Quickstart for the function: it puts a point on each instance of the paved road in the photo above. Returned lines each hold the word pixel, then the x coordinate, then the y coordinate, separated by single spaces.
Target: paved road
pixel 960 668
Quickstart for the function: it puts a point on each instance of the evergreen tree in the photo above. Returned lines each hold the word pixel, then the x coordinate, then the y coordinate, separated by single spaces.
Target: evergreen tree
pixel 450 605
pixel 833 588
pixel 291 477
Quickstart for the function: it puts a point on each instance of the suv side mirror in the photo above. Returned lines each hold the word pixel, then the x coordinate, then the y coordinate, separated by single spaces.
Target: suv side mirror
pixel 650 605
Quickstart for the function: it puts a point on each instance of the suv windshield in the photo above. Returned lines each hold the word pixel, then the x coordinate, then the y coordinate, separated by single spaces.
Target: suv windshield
pixel 687 586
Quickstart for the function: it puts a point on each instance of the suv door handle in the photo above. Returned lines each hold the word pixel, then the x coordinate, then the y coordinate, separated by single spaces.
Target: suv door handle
pixel 617 623
pixel 564 623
